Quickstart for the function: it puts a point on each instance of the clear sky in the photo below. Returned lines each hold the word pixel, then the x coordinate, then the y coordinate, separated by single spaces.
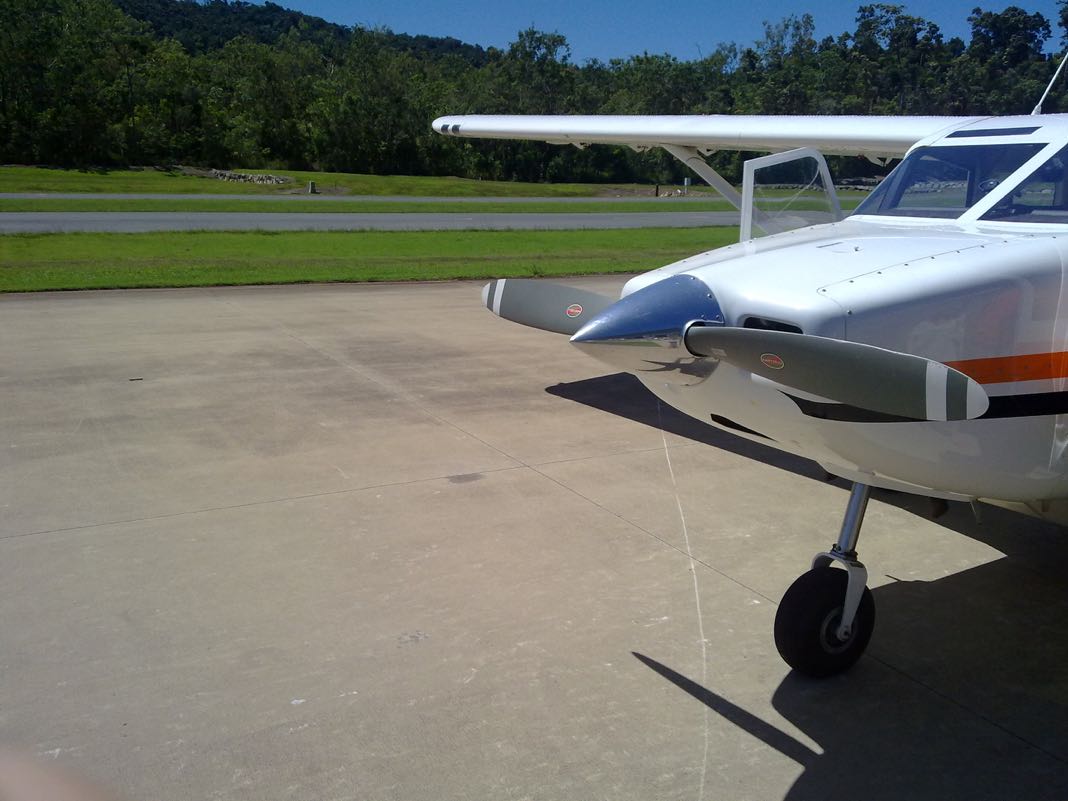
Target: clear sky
pixel 606 29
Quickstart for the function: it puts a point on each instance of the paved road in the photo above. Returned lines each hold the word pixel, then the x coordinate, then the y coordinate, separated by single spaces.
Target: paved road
pixel 126 222
pixel 271 543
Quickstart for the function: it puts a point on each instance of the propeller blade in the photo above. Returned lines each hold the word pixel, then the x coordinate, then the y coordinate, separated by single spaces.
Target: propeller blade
pixel 542 304
pixel 848 372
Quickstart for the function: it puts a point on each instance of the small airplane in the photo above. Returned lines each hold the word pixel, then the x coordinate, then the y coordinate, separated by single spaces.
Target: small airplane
pixel 919 344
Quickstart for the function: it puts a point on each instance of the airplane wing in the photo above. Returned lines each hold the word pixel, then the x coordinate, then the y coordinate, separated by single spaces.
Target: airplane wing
pixel 833 135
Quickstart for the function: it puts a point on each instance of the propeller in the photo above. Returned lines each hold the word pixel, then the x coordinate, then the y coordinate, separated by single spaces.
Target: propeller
pixel 673 331
pixel 542 304
pixel 864 376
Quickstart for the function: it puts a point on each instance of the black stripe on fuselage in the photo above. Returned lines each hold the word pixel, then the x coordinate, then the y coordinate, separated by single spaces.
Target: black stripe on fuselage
pixel 1003 406
pixel 993 132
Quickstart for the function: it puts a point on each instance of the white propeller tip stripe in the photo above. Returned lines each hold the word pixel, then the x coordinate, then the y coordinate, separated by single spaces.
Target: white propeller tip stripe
pixel 937 376
pixel 978 400
pixel 500 294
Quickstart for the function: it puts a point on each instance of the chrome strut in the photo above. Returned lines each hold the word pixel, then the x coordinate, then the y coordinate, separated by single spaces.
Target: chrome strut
pixel 845 553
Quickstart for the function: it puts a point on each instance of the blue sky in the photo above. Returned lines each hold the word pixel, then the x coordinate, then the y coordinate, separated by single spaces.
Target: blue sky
pixel 606 29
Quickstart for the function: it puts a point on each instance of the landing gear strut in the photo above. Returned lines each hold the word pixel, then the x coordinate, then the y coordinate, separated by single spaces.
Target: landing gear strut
pixel 826 617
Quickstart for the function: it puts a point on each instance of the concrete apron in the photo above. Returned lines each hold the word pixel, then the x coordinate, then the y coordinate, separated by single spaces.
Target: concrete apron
pixel 372 542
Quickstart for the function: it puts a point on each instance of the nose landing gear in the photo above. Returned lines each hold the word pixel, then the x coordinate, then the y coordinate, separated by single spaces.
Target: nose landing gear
pixel 827 616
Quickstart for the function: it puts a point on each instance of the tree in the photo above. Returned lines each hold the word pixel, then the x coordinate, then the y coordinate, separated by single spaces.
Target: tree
pixel 86 118
pixel 82 83
pixel 1004 63
pixel 168 114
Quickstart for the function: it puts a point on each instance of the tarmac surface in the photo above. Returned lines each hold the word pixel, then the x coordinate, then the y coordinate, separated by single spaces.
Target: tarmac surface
pixel 371 542
pixel 36 222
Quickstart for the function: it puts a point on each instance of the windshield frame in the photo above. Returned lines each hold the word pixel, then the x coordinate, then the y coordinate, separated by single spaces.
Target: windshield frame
pixel 973 213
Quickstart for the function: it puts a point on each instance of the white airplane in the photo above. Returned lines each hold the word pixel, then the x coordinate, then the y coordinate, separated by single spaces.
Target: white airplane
pixel 919 345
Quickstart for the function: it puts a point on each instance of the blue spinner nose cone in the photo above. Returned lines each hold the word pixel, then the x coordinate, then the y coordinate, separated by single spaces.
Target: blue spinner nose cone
pixel 644 332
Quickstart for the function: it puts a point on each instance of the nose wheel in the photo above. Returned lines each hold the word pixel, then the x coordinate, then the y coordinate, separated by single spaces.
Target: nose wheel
pixel 826 618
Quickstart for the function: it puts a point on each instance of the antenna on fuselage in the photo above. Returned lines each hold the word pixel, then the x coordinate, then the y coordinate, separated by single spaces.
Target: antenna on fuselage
pixel 1038 109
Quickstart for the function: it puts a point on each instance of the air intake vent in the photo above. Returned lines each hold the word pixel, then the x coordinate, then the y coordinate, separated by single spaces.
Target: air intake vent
pixel 764 324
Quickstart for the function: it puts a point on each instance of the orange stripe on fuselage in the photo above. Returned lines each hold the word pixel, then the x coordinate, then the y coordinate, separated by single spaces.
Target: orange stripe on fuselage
pixel 1031 367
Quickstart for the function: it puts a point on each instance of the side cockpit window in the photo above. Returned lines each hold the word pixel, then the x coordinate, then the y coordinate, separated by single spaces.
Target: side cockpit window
pixel 935 185
pixel 944 182
pixel 1041 198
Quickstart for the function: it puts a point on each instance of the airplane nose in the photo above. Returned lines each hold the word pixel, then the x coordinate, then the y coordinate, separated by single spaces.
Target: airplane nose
pixel 644 333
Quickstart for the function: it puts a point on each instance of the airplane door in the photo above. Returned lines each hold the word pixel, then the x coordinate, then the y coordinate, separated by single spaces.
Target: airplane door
pixel 787 190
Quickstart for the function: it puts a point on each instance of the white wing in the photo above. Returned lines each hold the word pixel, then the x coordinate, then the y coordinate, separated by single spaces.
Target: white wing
pixel 868 136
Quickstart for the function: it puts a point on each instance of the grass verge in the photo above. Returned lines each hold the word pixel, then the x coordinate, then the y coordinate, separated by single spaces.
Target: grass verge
pixel 158 180
pixel 36 262
pixel 176 181
pixel 295 205
pixel 351 206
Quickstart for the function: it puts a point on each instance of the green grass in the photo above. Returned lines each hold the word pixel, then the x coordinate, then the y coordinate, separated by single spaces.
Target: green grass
pixel 34 262
pixel 152 180
pixel 43 179
pixel 298 205
pixel 345 183
pixel 352 206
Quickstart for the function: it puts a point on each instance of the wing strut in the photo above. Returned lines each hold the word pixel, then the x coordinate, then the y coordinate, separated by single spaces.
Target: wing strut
pixel 694 159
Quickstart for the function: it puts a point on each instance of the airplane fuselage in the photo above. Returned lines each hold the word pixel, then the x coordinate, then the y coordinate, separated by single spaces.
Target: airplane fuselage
pixel 919 345
pixel 986 300
pixel 958 258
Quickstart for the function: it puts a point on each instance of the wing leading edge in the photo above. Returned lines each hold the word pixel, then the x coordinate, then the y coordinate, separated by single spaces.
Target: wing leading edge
pixel 833 135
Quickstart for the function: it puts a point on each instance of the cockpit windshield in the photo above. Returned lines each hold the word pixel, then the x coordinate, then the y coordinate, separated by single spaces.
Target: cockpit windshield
pixel 1042 198
pixel 945 181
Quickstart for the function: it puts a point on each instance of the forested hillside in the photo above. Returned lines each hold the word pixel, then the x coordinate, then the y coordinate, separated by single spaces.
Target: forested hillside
pixel 231 84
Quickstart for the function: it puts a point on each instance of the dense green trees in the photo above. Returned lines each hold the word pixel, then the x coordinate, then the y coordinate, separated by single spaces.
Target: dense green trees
pixel 67 80
pixel 224 84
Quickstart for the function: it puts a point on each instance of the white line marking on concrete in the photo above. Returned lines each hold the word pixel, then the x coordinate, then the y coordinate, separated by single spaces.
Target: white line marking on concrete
pixel 696 594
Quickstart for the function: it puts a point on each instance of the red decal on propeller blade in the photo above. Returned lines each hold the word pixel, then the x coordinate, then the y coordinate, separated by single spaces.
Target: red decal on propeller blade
pixel 771 361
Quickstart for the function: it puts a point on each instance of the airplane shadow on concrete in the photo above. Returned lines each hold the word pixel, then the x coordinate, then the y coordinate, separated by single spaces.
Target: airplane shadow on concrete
pixel 963 693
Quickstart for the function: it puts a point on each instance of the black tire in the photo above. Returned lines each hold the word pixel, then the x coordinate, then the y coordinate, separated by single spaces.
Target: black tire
pixel 808 616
